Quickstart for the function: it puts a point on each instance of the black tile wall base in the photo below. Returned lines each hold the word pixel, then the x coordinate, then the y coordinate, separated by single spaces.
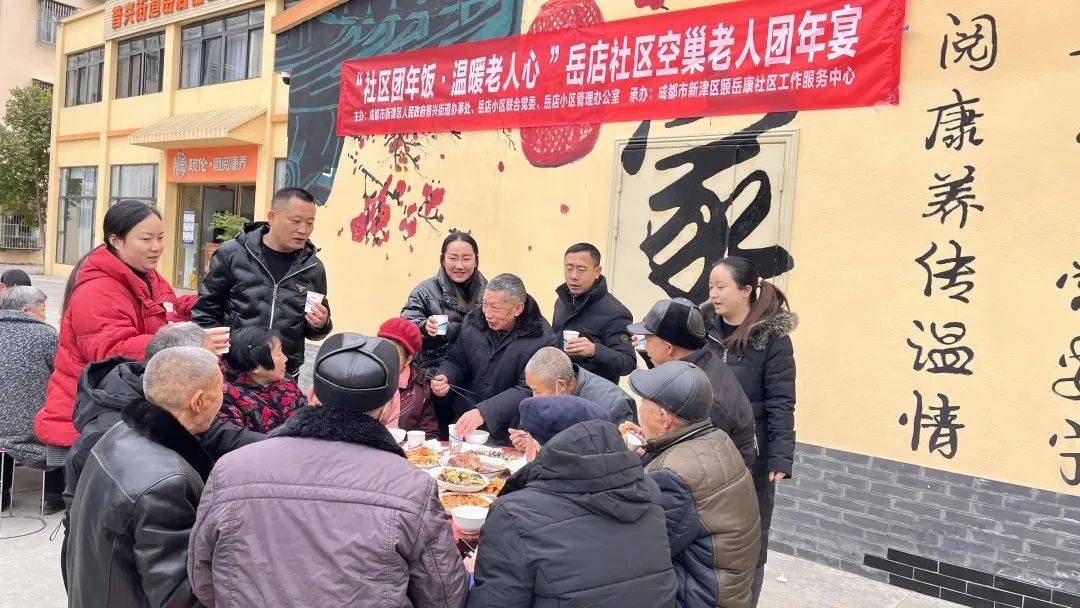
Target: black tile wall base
pixel 969 540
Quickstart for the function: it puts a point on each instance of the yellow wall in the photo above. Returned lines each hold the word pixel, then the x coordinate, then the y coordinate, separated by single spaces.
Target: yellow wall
pixel 861 188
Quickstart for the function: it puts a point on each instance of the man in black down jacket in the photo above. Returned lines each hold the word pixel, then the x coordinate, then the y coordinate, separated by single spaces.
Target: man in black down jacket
pixel 136 502
pixel 674 330
pixel 585 529
pixel 262 277
pixel 486 366
pixel 107 387
pixel 585 306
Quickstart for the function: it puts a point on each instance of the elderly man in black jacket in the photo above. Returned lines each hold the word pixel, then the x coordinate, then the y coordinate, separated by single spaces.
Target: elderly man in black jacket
pixel 486 366
pixel 674 330
pixel 603 345
pixel 136 502
pixel 263 276
pixel 581 526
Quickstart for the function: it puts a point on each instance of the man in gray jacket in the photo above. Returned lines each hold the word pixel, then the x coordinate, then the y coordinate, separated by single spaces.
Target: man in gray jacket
pixel 550 373
pixel 328 512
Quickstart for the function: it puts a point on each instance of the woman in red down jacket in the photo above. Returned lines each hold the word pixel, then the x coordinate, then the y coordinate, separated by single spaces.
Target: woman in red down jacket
pixel 114 302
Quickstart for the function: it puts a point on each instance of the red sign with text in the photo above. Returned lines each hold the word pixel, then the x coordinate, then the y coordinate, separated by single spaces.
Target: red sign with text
pixel 736 58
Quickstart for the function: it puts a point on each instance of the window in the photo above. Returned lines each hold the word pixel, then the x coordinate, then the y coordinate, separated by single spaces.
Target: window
pixel 75 226
pixel 41 84
pixel 133 182
pixel 291 3
pixel 50 14
pixel 138 65
pixel 280 173
pixel 83 83
pixel 222 50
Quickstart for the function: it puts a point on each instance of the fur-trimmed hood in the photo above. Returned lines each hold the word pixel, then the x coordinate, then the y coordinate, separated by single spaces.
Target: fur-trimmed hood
pixel 163 428
pixel 761 333
pixel 336 424
pixel 530 324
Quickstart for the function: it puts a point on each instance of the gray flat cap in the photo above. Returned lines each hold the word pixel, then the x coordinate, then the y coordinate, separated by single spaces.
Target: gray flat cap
pixel 677 386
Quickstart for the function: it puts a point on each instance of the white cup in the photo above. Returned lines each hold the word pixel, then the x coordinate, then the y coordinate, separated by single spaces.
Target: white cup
pixel 639 343
pixel 215 332
pixel 313 298
pixel 453 434
pixel 568 336
pixel 415 439
pixel 442 324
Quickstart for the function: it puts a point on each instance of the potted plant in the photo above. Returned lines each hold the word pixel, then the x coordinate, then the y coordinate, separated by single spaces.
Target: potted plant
pixel 225 225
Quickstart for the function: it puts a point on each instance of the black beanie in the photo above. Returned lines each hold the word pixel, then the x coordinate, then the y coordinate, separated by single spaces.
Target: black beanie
pixel 356 372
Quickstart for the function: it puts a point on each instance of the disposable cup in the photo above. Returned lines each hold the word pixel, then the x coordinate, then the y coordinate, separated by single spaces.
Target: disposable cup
pixel 313 298
pixel 442 323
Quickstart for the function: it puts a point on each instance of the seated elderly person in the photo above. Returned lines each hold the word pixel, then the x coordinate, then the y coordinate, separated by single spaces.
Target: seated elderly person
pixel 26 361
pixel 328 511
pixel 544 417
pixel 584 528
pixel 550 373
pixel 136 500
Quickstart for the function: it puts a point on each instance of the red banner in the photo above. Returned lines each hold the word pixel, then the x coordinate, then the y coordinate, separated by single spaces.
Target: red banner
pixel 744 57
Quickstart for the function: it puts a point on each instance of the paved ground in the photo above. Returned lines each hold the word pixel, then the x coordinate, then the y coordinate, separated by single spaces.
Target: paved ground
pixel 31 573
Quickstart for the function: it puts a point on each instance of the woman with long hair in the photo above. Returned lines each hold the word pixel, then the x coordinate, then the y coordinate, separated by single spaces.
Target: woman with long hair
pixel 455 291
pixel 114 301
pixel 751 320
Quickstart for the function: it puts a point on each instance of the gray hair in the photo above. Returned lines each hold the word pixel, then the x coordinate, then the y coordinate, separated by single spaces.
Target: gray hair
pixel 551 364
pixel 177 373
pixel 509 284
pixel 17 298
pixel 171 336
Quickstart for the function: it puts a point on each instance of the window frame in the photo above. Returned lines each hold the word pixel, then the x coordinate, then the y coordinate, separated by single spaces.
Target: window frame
pixel 50 14
pixel 148 45
pixel 83 77
pixel 196 44
pixel 79 200
pixel 116 174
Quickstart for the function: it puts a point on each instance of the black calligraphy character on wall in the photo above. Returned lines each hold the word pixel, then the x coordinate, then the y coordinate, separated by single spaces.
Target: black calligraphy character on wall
pixel 952 269
pixel 1064 279
pixel 697 205
pixel 1069 386
pixel 942 423
pixel 1074 478
pixel 953 195
pixel 957 121
pixel 949 358
pixel 979 46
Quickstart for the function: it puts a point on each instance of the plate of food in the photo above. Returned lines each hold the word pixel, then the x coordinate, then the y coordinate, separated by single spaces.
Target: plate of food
pixel 454 479
pixel 453 499
pixel 423 457
pixel 494 487
pixel 485 465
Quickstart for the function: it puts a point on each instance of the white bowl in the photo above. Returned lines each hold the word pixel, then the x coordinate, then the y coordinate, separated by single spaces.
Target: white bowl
pixel 478 437
pixel 399 434
pixel 468 518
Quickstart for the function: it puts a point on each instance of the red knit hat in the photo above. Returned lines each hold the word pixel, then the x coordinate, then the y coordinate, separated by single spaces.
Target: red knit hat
pixel 403 332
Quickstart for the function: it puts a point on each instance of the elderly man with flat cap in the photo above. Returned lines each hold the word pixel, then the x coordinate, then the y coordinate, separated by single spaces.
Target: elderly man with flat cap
pixel 328 512
pixel 706 490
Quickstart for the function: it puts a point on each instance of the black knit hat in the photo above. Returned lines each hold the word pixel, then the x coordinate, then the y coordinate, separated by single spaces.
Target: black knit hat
pixel 356 372
pixel 677 321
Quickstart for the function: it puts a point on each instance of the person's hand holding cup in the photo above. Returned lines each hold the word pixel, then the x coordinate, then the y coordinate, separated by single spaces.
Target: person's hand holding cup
pixel 219 336
pixel 440 385
pixel 315 313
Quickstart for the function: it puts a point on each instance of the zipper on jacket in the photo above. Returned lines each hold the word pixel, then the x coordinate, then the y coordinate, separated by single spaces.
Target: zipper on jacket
pixel 273 296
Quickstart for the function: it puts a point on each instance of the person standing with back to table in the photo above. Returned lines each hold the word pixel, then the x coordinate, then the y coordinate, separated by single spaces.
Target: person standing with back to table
pixel 264 277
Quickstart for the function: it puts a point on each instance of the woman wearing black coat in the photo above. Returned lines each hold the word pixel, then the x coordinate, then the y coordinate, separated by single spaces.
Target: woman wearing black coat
pixel 751 320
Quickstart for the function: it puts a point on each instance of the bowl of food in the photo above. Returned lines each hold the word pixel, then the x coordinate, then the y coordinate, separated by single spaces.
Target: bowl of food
pixel 454 479
pixel 485 465
pixel 399 434
pixel 469 519
pixel 423 457
pixel 477 437
pixel 452 500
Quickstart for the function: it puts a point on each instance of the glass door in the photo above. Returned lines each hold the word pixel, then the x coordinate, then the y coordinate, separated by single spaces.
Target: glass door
pixel 198 238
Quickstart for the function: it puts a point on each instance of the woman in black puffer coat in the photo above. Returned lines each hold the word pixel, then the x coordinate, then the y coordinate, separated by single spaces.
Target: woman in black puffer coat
pixel 750 319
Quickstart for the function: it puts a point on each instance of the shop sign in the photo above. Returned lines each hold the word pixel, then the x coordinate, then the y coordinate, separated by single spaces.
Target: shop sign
pixel 213 165
pixel 747 57
pixel 126 17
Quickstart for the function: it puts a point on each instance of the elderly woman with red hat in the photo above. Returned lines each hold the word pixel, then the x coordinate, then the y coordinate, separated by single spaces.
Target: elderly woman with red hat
pixel 415 409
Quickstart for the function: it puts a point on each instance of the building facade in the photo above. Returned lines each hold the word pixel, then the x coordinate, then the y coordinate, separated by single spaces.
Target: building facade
pixel 928 247
pixel 172 103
